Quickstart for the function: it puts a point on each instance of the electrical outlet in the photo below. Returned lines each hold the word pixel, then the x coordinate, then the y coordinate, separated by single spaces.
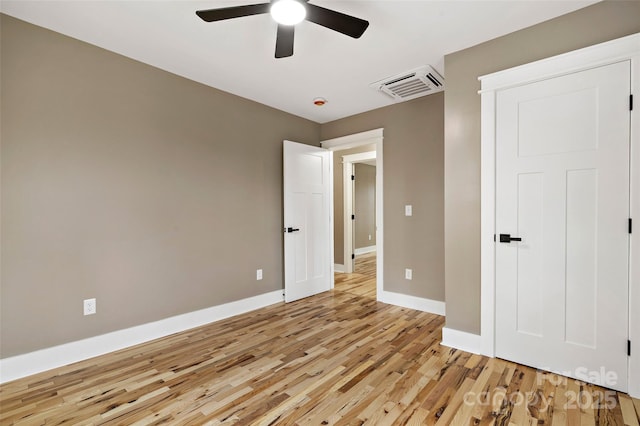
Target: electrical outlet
pixel 369 237
pixel 89 306
pixel 408 274
pixel 408 210
pixel 259 274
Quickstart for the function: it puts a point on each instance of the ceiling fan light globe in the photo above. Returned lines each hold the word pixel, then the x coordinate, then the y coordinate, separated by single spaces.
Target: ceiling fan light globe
pixel 288 12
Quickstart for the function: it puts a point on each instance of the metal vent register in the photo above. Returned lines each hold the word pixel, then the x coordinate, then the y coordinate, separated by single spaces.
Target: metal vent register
pixel 411 84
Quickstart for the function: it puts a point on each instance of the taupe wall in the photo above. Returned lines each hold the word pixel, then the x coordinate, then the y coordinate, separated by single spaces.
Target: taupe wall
pixel 152 193
pixel 364 198
pixel 413 174
pixel 338 199
pixel 598 23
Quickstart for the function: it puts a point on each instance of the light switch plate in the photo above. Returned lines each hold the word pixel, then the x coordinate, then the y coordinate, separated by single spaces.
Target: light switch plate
pixel 408 210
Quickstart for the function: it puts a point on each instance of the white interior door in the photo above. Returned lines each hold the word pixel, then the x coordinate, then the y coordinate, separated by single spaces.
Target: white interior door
pixel 562 186
pixel 307 220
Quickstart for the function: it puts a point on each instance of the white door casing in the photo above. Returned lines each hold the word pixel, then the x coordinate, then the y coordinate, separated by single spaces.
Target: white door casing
pixel 307 220
pixel 562 186
pixel 623 49
pixel 374 136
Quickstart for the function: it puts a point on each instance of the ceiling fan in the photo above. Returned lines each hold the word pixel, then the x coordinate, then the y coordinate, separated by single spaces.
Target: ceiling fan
pixel 287 13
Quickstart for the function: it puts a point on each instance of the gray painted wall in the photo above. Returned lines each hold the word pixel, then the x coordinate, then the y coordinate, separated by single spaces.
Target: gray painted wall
pixel 595 24
pixel 155 194
pixel 364 198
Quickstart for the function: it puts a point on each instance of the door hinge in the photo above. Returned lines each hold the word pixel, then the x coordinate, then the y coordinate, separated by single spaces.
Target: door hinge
pixel 353 177
pixel 630 225
pixel 630 102
pixel 353 256
pixel 494 238
pixel 353 217
pixel 628 347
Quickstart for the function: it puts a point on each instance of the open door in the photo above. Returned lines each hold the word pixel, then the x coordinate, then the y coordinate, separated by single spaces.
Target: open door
pixel 307 221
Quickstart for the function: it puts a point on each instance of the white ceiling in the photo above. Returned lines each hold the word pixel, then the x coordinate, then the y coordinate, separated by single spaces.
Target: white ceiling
pixel 237 55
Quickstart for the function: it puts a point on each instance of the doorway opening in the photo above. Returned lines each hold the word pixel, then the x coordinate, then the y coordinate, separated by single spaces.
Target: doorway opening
pixel 358 221
pixel 359 236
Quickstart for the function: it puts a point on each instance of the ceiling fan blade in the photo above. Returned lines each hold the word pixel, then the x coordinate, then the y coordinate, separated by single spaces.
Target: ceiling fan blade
pixel 223 13
pixel 284 41
pixel 345 24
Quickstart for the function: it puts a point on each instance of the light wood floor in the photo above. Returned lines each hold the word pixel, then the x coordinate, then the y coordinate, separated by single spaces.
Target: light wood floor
pixel 337 358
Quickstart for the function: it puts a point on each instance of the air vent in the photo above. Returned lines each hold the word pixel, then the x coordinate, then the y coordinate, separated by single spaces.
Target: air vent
pixel 411 84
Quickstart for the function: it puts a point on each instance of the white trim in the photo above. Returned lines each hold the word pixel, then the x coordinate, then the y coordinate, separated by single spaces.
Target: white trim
pixel 460 340
pixel 347 208
pixel 45 359
pixel 364 250
pixel 625 48
pixel 634 249
pixel 567 63
pixel 487 229
pixel 348 168
pixel 332 255
pixel 412 302
pixel 351 141
pixel 379 220
pixel 360 157
pixel 338 267
pixel 365 138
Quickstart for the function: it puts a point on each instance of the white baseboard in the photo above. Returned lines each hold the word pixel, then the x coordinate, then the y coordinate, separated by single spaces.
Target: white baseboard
pixel 364 250
pixel 412 302
pixel 337 267
pixel 45 359
pixel 462 340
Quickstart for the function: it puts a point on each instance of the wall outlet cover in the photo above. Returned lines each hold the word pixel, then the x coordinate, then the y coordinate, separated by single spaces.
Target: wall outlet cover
pixel 89 306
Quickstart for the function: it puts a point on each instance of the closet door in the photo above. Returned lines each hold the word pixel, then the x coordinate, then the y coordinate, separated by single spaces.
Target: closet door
pixel 562 209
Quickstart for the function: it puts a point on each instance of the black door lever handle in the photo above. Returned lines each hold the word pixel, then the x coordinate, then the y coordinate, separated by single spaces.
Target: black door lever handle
pixel 507 238
pixel 292 229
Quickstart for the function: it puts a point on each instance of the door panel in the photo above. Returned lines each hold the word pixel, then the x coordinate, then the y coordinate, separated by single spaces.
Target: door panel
pixel 307 212
pixel 529 314
pixel 562 185
pixel 546 128
pixel 582 255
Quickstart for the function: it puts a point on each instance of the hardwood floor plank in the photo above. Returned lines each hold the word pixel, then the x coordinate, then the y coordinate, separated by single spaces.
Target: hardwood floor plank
pixel 338 358
pixel 636 404
pixel 629 415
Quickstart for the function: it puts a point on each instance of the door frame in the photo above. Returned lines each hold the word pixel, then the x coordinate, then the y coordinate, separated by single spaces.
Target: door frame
pixel 348 162
pixel 376 137
pixel 623 49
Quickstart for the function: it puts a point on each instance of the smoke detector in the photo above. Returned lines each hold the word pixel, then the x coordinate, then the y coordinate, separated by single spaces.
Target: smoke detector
pixel 319 101
pixel 411 84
